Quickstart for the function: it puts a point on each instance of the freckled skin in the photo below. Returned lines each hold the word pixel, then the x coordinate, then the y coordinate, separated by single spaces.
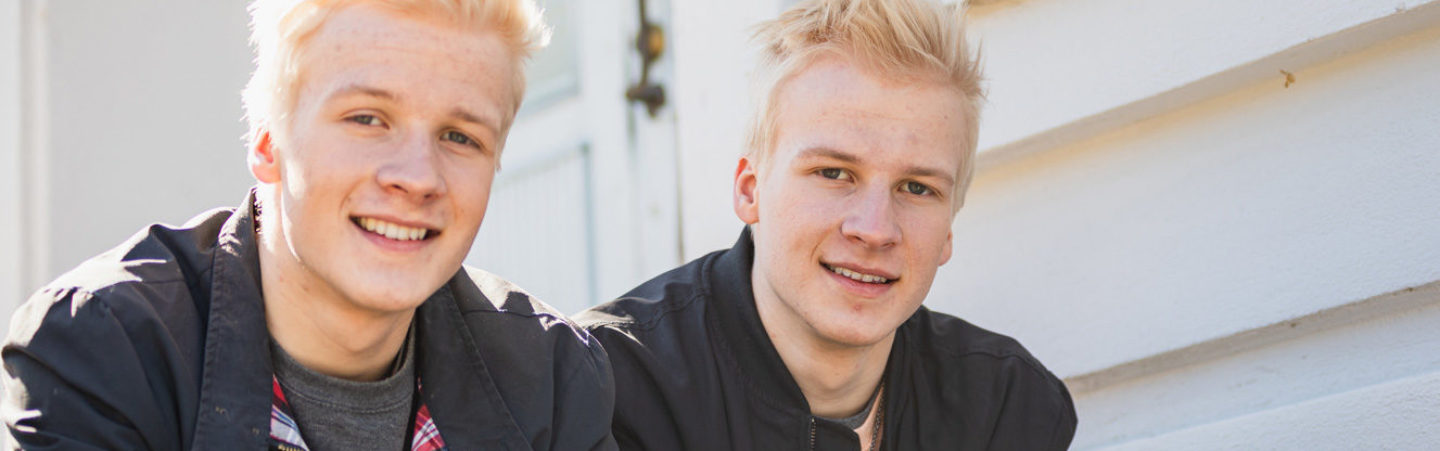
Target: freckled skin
pixel 329 167
pixel 881 135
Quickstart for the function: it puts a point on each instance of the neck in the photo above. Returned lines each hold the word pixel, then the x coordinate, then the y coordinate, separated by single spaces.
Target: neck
pixel 836 379
pixel 319 329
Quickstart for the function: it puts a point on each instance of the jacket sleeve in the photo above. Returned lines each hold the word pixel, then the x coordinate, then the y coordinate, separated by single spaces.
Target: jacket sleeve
pixel 1065 418
pixel 73 380
pixel 585 402
pixel 1038 413
pixel 642 420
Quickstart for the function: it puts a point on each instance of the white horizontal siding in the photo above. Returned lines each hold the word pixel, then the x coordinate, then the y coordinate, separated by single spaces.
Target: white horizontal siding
pixel 1062 70
pixel 1214 259
pixel 1396 415
pixel 1249 209
pixel 1298 361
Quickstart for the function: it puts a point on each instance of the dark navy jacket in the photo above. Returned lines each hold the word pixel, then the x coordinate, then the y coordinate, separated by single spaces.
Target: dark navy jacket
pixel 161 344
pixel 695 370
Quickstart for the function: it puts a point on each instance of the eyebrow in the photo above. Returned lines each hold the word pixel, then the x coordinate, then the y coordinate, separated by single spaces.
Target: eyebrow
pixel 826 152
pixel 363 90
pixel 457 113
pixel 486 121
pixel 912 170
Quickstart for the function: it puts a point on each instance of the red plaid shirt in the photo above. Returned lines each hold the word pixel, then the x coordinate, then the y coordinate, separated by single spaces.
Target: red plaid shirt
pixel 285 433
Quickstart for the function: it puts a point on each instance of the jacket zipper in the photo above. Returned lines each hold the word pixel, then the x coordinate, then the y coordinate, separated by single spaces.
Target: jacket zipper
pixel 812 433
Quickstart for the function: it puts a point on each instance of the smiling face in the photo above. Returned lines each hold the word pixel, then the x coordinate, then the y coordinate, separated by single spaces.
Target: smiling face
pixel 851 212
pixel 375 188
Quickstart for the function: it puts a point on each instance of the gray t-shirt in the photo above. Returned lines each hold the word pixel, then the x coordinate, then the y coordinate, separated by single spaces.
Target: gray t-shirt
pixel 340 414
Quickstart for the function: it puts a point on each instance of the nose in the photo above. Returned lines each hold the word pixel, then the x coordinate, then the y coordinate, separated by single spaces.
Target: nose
pixel 871 219
pixel 413 169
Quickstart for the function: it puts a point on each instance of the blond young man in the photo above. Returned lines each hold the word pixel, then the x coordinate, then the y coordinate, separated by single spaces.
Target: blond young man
pixel 809 333
pixel 330 310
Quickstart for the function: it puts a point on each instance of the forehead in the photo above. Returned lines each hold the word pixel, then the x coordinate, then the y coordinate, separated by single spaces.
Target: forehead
pixel 408 53
pixel 837 104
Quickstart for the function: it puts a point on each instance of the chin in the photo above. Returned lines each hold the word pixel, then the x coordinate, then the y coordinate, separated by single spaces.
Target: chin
pixel 403 280
pixel 865 335
pixel 393 302
pixel 391 297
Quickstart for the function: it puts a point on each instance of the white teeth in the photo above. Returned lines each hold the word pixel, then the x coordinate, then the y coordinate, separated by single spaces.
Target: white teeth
pixel 393 231
pixel 867 278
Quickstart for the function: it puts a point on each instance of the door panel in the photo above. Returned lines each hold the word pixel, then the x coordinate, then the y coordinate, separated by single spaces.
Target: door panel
pixel 584 207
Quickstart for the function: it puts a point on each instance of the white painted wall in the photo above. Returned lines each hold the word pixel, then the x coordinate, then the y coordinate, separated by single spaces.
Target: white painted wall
pixel 1062 71
pixel 143 111
pixel 11 261
pixel 713 59
pixel 1248 209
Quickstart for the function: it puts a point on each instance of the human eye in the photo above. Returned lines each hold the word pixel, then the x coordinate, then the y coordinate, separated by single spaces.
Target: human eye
pixel 459 138
pixel 918 189
pixel 834 173
pixel 366 119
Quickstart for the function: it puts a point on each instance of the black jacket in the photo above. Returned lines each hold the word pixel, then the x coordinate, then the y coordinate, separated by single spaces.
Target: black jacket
pixel 695 370
pixel 161 344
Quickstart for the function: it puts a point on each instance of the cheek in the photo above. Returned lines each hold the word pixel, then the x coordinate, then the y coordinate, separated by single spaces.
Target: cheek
pixel 470 188
pixel 930 234
pixel 798 206
pixel 472 212
pixel 309 164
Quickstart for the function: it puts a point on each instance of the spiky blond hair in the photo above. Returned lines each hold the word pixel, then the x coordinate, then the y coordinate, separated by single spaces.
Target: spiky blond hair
pixel 280 29
pixel 917 40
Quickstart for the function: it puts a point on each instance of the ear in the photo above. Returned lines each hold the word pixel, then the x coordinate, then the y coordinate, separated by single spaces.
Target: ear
pixel 945 252
pixel 747 191
pixel 262 159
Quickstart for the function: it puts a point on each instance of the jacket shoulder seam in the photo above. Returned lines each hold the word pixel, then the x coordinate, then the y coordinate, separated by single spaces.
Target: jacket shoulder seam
pixel 584 335
pixel 653 321
pixel 1029 362
pixel 98 291
pixel 1052 381
pixel 699 290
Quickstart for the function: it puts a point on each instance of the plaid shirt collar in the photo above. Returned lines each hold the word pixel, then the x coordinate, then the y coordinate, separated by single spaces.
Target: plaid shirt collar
pixel 285 433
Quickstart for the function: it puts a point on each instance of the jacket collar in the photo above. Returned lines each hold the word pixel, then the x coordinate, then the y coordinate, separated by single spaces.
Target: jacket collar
pixel 741 335
pixel 458 386
pixel 235 382
pixel 235 387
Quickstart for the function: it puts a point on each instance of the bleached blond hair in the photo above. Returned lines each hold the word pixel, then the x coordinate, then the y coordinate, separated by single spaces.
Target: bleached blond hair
pixel 907 40
pixel 280 29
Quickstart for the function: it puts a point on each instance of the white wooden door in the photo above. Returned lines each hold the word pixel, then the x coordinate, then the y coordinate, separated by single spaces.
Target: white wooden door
pixel 584 207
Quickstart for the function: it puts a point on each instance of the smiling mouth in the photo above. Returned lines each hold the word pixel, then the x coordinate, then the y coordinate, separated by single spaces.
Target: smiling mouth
pixel 859 276
pixel 394 231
